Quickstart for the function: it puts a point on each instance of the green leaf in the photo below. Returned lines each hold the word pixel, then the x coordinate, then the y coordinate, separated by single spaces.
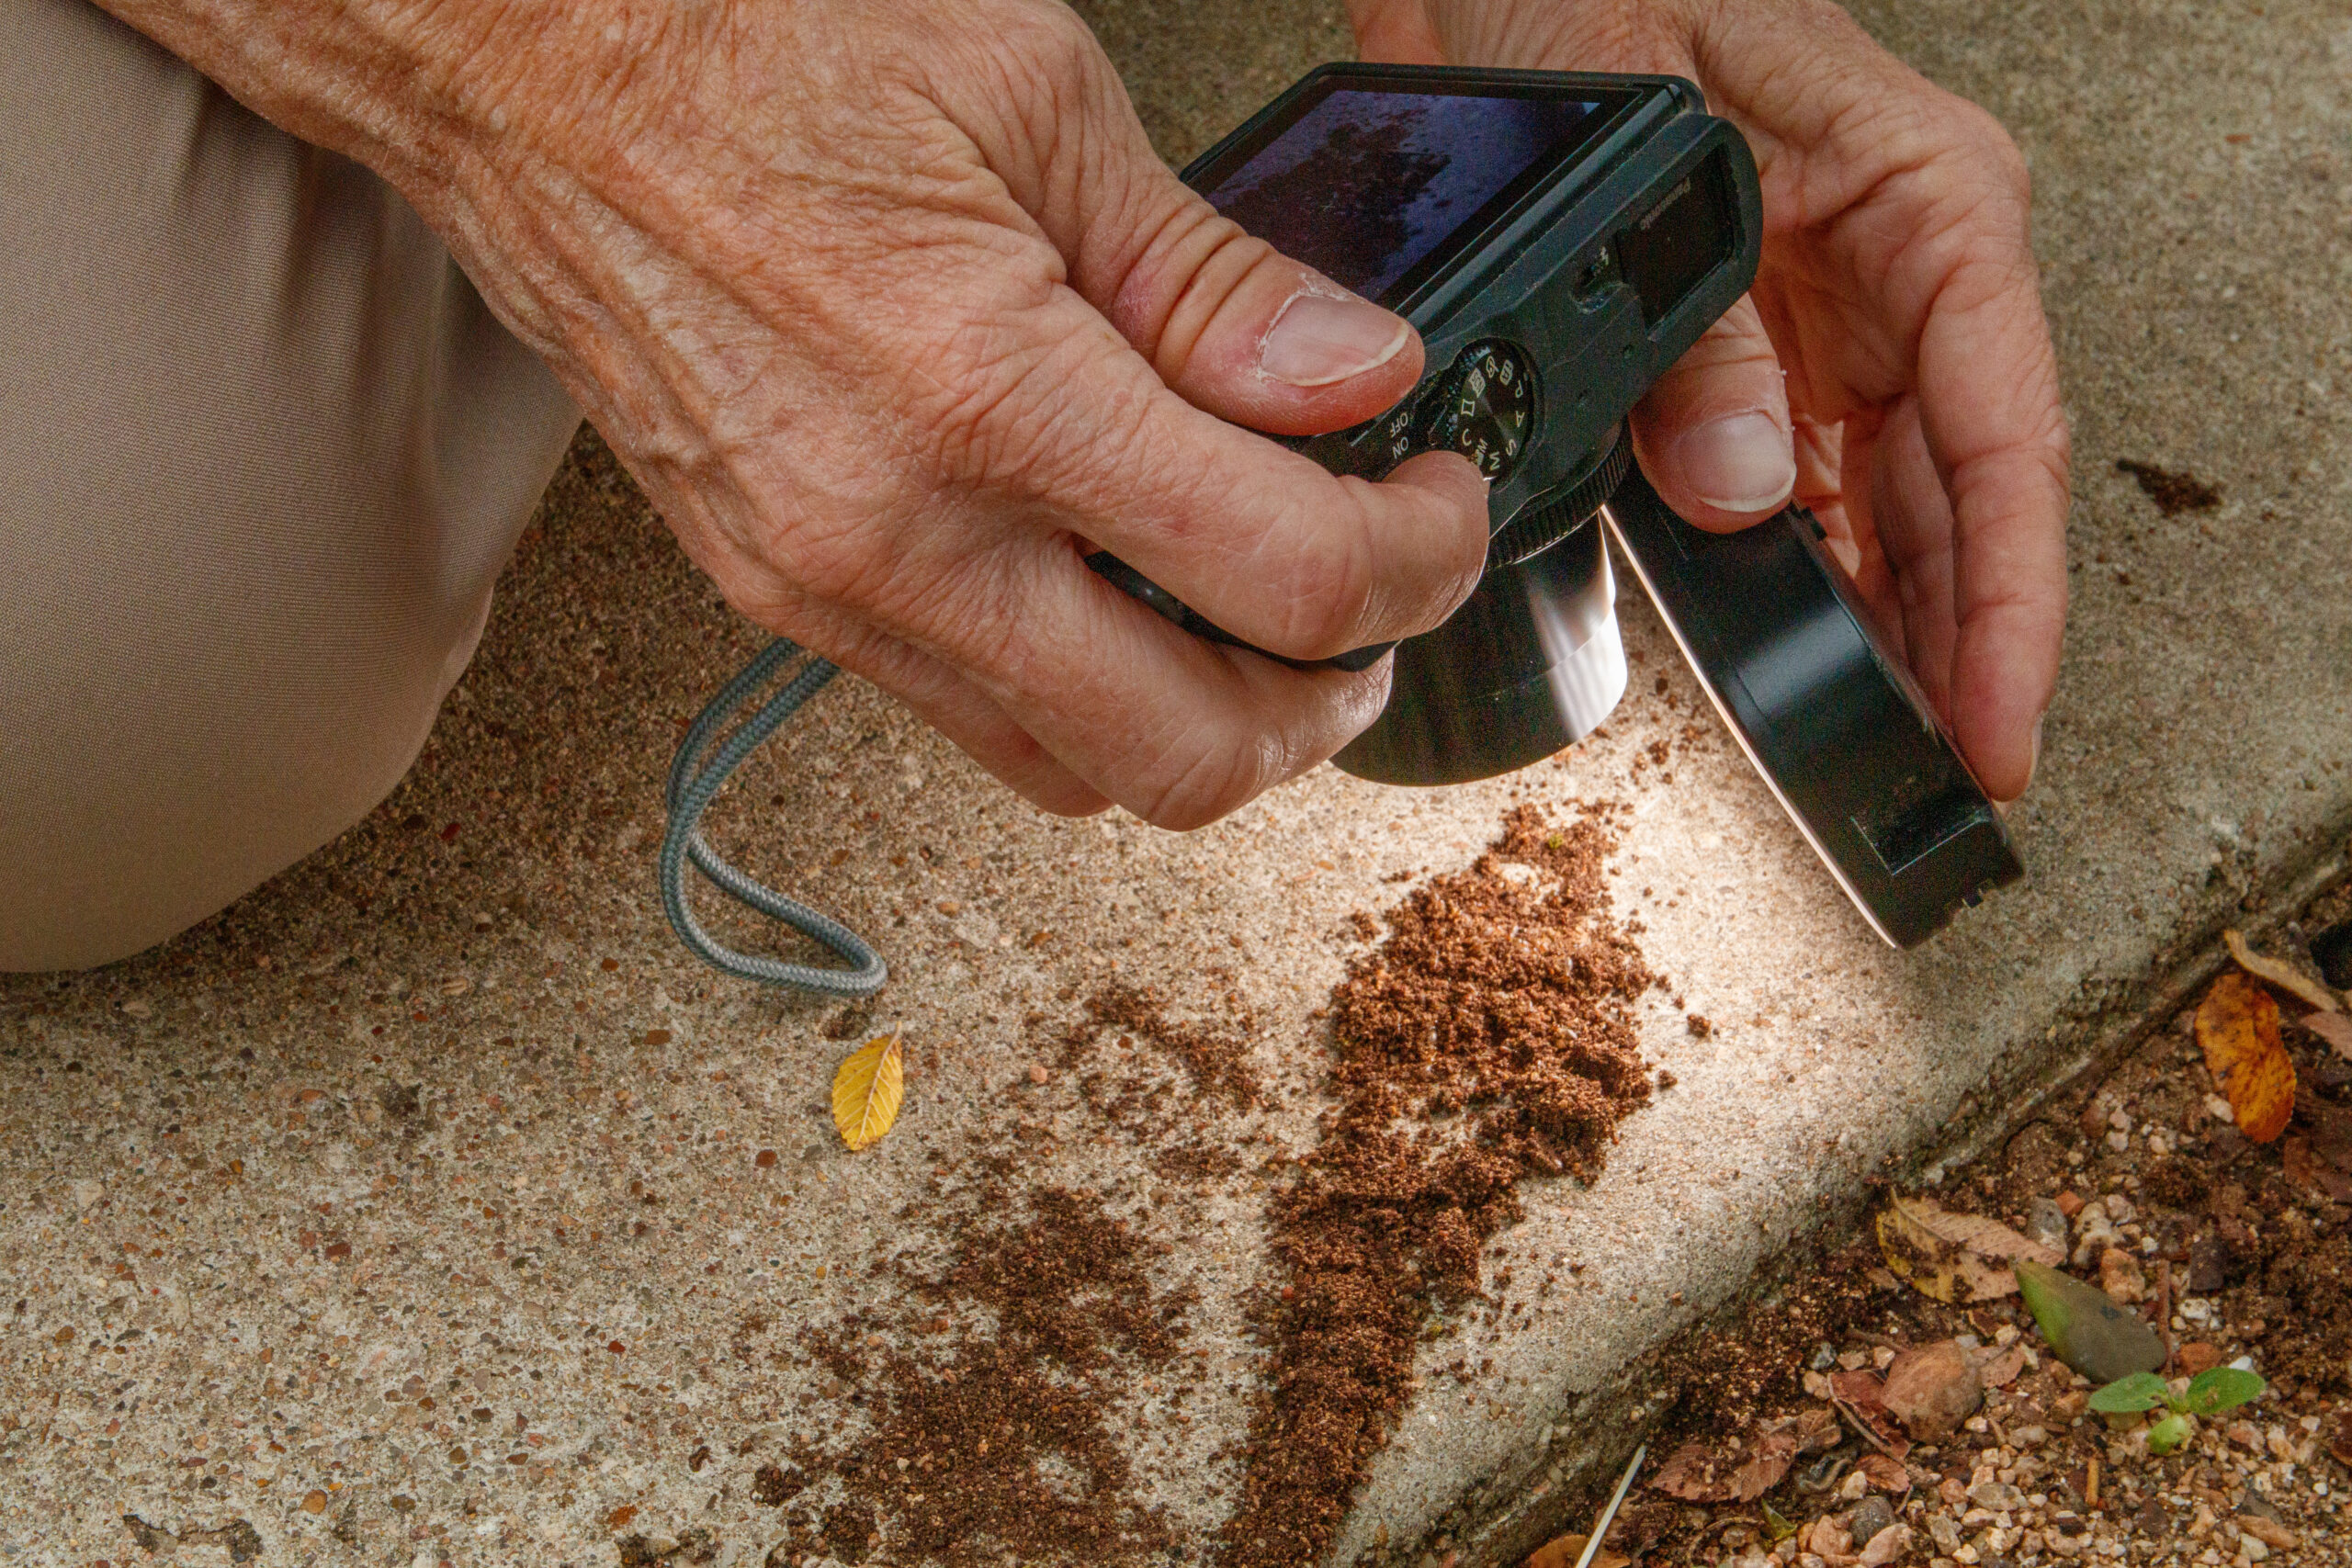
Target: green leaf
pixel 2221 1388
pixel 2086 1328
pixel 2170 1434
pixel 1775 1527
pixel 2141 1390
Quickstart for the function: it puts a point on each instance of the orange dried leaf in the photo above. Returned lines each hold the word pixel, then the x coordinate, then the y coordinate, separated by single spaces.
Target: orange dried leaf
pixel 2284 976
pixel 867 1091
pixel 2237 1025
pixel 1564 1551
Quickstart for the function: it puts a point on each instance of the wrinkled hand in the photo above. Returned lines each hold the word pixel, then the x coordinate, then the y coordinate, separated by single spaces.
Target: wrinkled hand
pixel 895 314
pixel 1920 415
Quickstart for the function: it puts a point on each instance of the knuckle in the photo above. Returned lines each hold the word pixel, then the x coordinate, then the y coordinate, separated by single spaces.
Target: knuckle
pixel 1324 589
pixel 1213 783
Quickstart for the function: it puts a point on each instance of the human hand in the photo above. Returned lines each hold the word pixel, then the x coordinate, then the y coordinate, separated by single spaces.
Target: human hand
pixel 1919 416
pixel 896 315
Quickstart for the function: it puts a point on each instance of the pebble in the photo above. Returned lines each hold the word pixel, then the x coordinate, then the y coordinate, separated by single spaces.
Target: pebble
pixel 1872 1515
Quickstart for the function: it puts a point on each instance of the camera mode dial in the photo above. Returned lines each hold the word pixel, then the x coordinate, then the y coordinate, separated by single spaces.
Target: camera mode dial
pixel 1483 407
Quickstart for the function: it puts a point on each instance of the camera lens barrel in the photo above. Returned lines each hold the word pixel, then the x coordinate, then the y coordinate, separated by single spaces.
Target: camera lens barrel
pixel 1529 664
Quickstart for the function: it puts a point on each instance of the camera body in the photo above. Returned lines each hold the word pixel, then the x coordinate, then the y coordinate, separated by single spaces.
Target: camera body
pixel 1559 240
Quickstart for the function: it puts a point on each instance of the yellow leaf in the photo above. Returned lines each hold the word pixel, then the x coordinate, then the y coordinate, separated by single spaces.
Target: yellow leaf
pixel 867 1091
pixel 2285 977
pixel 2237 1023
pixel 1953 1258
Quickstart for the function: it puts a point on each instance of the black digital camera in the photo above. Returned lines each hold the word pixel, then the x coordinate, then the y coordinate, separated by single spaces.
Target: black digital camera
pixel 1559 240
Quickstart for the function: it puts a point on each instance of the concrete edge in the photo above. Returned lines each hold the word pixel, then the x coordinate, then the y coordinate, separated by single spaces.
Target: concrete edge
pixel 1508 1515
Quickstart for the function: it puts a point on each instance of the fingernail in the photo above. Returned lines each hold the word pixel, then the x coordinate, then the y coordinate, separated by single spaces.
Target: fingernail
pixel 1741 462
pixel 1318 340
pixel 2033 763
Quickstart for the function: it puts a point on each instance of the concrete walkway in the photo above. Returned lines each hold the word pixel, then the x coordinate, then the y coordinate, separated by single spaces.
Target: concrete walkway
pixel 432 1205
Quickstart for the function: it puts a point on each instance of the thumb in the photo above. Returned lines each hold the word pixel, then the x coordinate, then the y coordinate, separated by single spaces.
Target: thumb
pixel 1713 434
pixel 1230 323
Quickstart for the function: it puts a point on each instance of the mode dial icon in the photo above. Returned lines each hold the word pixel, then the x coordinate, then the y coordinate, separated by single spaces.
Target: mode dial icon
pixel 1483 407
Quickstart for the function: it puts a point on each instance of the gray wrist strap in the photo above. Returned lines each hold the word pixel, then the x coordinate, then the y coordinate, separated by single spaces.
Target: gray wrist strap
pixel 695 780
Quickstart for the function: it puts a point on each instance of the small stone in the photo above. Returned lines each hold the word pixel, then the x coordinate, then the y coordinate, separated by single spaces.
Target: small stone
pixel 1997 1495
pixel 2119 1275
pixel 1932 1390
pixel 1037 1073
pixel 314 1503
pixel 2069 1203
pixel 2269 1531
pixel 1873 1514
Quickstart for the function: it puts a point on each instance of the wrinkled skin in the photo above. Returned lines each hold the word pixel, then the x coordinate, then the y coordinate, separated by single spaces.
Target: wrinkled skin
pixel 894 313
pixel 893 309
pixel 1897 294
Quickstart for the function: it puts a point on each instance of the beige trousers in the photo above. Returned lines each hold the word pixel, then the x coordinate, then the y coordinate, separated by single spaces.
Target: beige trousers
pixel 262 454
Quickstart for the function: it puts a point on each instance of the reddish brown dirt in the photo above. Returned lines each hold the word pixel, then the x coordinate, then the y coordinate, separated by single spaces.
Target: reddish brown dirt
pixel 1498 1024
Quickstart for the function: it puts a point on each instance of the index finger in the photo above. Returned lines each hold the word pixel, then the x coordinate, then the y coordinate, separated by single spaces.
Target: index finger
pixel 1260 540
pixel 1989 408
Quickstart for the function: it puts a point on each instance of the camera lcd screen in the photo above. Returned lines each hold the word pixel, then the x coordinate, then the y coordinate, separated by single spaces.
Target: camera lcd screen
pixel 1378 185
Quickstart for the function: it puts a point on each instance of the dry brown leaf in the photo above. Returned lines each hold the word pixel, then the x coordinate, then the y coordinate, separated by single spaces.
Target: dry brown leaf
pixel 1954 1257
pixel 2313 1175
pixel 1563 1552
pixel 1863 1399
pixel 2237 1024
pixel 1692 1473
pixel 1816 1428
pixel 1768 1460
pixel 2280 973
pixel 867 1091
pixel 1885 1474
pixel 1744 1469
pixel 1999 1369
pixel 2335 1028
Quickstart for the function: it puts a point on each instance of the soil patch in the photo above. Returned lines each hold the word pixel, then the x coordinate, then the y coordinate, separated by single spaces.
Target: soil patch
pixel 1492 1035
pixel 2229 1249
pixel 995 1431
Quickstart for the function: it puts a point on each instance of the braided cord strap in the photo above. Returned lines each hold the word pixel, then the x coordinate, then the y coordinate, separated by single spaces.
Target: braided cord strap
pixel 701 767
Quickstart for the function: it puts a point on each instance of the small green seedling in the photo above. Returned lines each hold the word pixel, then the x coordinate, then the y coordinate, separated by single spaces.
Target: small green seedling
pixel 2208 1394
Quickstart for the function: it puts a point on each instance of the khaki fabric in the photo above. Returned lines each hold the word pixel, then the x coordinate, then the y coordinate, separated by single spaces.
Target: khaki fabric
pixel 262 453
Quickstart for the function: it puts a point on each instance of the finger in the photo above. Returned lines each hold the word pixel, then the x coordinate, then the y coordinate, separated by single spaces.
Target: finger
pixel 1075 694
pixel 1178 731
pixel 1229 322
pixel 1396 32
pixel 1714 433
pixel 1913 517
pixel 1991 416
pixel 938 693
pixel 1046 416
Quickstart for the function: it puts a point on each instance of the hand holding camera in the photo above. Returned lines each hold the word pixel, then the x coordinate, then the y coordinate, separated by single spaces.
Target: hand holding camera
pixel 1897 292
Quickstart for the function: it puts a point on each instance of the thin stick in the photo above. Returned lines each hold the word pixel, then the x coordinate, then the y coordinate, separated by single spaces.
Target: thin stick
pixel 2164 1311
pixel 1609 1514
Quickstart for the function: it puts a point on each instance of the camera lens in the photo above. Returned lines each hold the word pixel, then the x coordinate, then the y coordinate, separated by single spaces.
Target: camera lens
pixel 1530 663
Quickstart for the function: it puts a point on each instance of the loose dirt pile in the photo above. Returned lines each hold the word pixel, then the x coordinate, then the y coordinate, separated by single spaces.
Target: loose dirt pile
pixel 1492 1036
